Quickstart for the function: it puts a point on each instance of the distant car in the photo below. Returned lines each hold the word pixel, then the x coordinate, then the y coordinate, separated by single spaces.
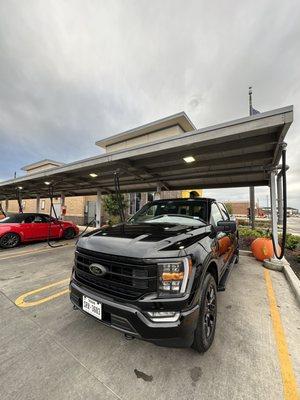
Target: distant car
pixel 27 227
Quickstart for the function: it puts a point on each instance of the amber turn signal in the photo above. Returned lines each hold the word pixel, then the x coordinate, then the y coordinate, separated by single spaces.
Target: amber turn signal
pixel 172 276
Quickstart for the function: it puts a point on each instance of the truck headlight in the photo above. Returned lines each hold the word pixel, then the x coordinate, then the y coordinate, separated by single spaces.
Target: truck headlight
pixel 173 275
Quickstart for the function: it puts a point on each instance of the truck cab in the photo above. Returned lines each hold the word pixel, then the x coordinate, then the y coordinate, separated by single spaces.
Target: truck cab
pixel 156 276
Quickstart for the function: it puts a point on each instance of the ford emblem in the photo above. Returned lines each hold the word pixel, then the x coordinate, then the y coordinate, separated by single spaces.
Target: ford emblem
pixel 97 269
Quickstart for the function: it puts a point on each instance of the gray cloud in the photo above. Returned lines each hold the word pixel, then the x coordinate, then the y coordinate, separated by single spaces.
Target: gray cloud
pixel 73 72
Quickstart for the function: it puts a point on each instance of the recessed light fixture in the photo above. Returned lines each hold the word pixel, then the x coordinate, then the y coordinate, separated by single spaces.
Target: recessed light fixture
pixel 189 159
pixel 47 183
pixel 20 187
pixel 93 175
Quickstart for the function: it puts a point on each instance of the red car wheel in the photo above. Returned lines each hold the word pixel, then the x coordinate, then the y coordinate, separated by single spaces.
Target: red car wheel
pixel 69 233
pixel 10 240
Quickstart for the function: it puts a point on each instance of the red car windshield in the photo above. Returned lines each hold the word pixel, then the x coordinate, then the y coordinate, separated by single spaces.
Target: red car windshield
pixel 9 220
pixel 26 218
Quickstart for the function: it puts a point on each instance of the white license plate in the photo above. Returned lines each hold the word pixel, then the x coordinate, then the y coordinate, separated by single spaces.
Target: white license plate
pixel 92 307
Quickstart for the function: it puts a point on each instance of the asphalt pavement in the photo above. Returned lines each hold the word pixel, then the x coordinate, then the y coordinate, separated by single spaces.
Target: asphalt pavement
pixel 50 351
pixel 293 225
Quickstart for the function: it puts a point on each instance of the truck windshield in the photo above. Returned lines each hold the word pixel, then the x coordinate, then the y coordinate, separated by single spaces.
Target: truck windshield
pixel 186 212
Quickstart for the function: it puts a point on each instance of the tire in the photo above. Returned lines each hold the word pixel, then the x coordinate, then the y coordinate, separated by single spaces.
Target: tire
pixel 206 325
pixel 69 233
pixel 10 240
pixel 237 257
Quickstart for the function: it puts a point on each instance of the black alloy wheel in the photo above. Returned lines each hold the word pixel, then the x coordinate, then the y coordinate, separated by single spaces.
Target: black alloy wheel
pixel 9 240
pixel 210 310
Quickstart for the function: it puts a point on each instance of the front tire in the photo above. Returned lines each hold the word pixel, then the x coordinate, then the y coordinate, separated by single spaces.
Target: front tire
pixel 10 240
pixel 237 257
pixel 206 326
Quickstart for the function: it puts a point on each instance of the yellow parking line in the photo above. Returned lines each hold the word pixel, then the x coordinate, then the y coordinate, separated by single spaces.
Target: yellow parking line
pixel 23 253
pixel 20 301
pixel 287 373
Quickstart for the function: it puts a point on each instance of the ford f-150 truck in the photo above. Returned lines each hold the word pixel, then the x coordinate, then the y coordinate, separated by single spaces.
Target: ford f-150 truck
pixel 156 276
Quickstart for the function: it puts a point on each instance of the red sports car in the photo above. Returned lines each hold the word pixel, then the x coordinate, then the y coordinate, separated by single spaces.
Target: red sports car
pixel 27 227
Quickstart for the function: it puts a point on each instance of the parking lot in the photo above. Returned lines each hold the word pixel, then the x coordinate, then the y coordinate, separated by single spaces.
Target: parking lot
pixel 48 350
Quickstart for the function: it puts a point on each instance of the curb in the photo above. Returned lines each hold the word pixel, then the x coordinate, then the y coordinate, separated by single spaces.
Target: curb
pixel 292 280
pixel 246 253
pixel 289 274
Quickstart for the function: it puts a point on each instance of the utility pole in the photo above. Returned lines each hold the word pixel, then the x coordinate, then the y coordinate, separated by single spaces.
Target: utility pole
pixel 251 188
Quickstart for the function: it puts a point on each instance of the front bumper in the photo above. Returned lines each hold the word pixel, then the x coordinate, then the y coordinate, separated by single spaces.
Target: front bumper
pixel 132 321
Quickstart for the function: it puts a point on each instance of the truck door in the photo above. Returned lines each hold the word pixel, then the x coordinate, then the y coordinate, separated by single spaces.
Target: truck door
pixel 222 240
pixel 232 236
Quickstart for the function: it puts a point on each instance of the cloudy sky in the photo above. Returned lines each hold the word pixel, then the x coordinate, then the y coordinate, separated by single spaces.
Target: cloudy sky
pixel 75 71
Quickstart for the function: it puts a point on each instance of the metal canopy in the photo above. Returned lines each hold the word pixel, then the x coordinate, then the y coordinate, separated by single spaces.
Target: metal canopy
pixel 236 153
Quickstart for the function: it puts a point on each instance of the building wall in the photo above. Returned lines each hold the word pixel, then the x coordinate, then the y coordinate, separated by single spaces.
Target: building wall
pixel 75 207
pixel 240 208
pixel 149 137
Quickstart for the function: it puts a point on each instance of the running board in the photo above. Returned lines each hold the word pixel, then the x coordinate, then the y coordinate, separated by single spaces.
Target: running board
pixel 225 276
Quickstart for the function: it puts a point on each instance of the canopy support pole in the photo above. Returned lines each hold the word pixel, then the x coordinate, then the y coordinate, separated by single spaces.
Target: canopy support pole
pixel 38 199
pixel 273 206
pixel 98 209
pixel 279 199
pixel 62 204
pixel 252 207
pixel 157 194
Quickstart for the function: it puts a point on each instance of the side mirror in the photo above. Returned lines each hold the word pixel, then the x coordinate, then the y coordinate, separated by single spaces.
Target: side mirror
pixel 226 226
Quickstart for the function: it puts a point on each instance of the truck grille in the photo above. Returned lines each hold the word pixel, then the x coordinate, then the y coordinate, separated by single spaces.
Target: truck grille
pixel 127 278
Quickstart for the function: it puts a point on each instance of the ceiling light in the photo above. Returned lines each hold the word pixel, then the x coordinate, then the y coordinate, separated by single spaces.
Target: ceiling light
pixel 47 183
pixel 93 175
pixel 20 187
pixel 189 159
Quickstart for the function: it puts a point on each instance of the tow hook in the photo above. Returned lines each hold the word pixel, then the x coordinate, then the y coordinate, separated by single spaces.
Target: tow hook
pixel 128 337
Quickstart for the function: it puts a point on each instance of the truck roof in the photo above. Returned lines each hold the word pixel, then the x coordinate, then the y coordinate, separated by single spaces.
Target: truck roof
pixel 207 199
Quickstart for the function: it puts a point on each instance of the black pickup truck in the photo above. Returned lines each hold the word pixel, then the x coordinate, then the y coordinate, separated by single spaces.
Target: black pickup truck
pixel 156 276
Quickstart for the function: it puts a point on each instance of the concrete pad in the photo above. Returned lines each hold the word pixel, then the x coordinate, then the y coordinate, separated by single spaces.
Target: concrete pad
pixel 34 366
pixel 62 353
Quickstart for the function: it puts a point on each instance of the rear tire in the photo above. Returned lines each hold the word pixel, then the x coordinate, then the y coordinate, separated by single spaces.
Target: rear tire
pixel 206 326
pixel 10 240
pixel 69 233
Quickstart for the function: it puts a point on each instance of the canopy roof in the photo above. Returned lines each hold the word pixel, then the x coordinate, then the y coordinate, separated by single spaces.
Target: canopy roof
pixel 231 154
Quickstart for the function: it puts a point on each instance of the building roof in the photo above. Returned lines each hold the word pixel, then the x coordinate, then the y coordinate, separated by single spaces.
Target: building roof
pixel 232 154
pixel 180 119
pixel 41 163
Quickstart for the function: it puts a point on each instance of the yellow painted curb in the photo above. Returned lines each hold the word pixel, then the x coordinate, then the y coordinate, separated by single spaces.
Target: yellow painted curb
pixel 286 368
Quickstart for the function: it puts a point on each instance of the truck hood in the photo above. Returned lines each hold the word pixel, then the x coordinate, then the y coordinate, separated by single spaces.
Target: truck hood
pixel 143 240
